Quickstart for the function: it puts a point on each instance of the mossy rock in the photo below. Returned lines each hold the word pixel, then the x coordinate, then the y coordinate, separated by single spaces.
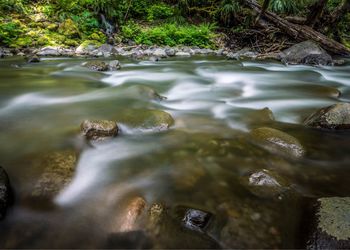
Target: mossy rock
pixel 87 46
pixel 96 65
pixel 336 116
pixel 147 119
pixel 58 172
pixel 277 140
pixel 69 29
pixel 99 129
pixel 331 229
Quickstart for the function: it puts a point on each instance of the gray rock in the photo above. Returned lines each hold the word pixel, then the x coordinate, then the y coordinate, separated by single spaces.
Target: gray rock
pixel 85 49
pixel 196 219
pixel 331 229
pixel 242 54
pixel 49 51
pixel 160 53
pixel 114 65
pixel 170 52
pixel 4 192
pixel 181 53
pixel 106 48
pixel 336 116
pixel 96 65
pixel 278 141
pixel 308 53
pixel 99 129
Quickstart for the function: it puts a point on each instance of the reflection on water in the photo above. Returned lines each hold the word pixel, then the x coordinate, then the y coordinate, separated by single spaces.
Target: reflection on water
pixel 147 180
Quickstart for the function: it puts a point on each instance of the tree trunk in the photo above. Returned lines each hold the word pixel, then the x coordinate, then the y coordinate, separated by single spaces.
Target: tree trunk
pixel 300 32
pixel 264 8
pixel 316 12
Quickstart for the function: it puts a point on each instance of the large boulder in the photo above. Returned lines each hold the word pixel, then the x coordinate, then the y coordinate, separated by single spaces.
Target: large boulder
pixel 336 116
pixel 308 53
pixel 102 66
pixel 4 192
pixel 58 170
pixel 99 129
pixel 331 224
pixel 276 140
pixel 49 51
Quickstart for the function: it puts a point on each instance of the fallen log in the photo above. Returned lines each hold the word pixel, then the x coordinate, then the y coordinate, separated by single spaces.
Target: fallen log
pixel 300 32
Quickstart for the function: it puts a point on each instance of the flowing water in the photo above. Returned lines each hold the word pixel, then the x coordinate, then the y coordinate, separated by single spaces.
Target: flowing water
pixel 202 162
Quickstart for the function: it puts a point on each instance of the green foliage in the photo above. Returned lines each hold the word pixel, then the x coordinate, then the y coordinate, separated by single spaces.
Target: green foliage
pixel 170 34
pixel 13 5
pixel 159 11
pixel 227 10
pixel 86 22
pixel 287 6
pixel 9 31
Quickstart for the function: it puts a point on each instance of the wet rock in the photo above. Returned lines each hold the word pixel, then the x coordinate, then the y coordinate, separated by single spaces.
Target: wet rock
pixel 58 170
pixel 33 59
pixel 308 53
pixel 162 227
pixel 336 116
pixel 4 192
pixel 160 53
pixel 181 53
pixel 196 219
pixel 97 66
pixel 154 59
pixel 49 51
pixel 114 65
pixel 242 54
pixel 331 229
pixel 276 140
pixel 132 213
pixel 147 120
pixel 266 184
pixel 170 52
pixel 99 129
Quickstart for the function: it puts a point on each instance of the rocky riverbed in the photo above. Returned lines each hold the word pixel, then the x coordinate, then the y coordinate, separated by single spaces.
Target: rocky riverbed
pixel 173 148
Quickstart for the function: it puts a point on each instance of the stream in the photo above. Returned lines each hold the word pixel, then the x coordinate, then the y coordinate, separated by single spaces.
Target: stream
pixel 202 162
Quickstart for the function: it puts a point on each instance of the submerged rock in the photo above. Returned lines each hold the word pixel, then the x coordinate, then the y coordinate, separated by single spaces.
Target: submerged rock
pixel 147 92
pixel 308 53
pixel 99 129
pixel 58 170
pixel 275 139
pixel 196 219
pixel 265 184
pixel 4 192
pixel 33 59
pixel 331 229
pixel 147 119
pixel 132 213
pixel 336 116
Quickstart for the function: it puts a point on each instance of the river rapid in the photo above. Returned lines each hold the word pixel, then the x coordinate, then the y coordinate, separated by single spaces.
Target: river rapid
pixel 202 162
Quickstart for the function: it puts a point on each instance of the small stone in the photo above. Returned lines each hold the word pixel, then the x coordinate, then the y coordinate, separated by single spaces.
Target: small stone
pixel 99 129
pixel 196 219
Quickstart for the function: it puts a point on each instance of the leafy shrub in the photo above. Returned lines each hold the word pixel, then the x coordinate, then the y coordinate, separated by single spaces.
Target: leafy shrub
pixel 287 6
pixel 13 5
pixel 159 11
pixel 9 31
pixel 170 34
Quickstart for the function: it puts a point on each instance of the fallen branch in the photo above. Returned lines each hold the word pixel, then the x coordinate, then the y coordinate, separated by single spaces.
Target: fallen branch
pixel 300 32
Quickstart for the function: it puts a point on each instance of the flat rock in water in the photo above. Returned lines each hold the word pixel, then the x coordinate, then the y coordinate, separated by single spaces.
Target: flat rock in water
pixel 196 219
pixel 57 174
pixel 277 140
pixel 4 192
pixel 147 120
pixel 336 116
pixel 308 53
pixel 99 129
pixel 332 224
